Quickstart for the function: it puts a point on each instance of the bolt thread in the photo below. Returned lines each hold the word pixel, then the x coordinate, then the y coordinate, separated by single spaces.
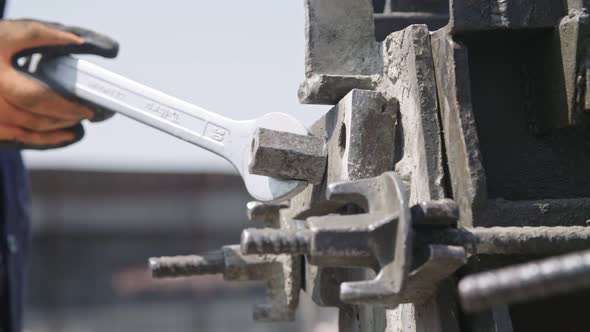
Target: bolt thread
pixel 510 240
pixel 526 281
pixel 182 266
pixel 274 241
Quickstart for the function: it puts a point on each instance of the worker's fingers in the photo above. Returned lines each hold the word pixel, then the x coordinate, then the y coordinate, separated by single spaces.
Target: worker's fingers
pixel 22 92
pixel 56 137
pixel 29 95
pixel 11 115
pixel 49 138
pixel 18 35
pixel 30 112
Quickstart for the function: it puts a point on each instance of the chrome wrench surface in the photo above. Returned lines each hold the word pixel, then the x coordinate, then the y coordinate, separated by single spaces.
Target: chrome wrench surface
pixel 228 138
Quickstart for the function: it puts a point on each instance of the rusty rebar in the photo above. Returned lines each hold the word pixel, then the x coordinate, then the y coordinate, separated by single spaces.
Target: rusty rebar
pixel 510 240
pixel 525 281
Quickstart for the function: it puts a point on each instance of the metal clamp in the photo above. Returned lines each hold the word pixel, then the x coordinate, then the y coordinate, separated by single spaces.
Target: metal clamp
pixel 380 238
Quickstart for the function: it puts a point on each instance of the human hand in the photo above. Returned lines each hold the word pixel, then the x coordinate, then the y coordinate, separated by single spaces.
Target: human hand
pixel 31 114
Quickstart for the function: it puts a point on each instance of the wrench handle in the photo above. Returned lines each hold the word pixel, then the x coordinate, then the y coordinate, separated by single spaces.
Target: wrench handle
pixel 230 139
pixel 89 82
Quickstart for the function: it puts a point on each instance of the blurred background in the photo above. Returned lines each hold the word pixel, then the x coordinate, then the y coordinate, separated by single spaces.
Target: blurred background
pixel 128 192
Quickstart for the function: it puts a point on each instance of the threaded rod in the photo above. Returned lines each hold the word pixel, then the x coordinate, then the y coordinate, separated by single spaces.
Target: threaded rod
pixel 275 241
pixel 182 266
pixel 526 281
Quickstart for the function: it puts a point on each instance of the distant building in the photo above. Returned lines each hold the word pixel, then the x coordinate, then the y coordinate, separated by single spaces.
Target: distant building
pixel 93 234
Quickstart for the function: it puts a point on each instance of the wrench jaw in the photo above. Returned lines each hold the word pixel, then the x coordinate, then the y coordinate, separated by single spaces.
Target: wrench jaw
pixel 265 188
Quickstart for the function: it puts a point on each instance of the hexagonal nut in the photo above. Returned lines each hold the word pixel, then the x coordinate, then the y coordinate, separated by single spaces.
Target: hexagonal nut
pixel 288 156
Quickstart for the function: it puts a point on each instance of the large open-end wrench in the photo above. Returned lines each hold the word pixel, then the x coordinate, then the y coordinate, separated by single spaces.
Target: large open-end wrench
pixel 228 138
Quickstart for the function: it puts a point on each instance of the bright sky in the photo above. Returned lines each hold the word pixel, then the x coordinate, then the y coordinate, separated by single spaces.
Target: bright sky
pixel 238 58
